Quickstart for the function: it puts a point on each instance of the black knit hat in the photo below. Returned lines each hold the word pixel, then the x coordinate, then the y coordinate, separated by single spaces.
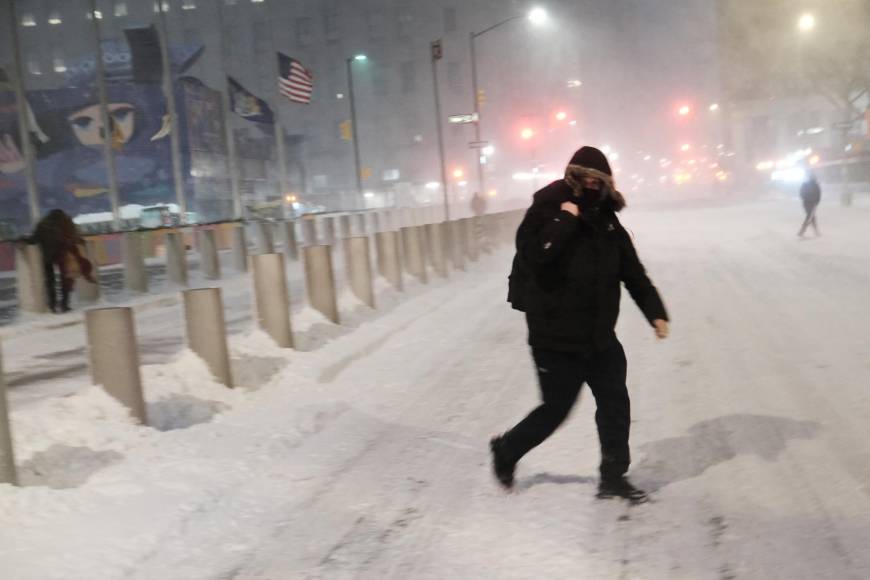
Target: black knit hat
pixel 591 162
pixel 591 158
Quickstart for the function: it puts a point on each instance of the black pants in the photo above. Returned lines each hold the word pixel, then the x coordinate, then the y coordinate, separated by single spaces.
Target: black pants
pixel 66 286
pixel 561 375
pixel 810 220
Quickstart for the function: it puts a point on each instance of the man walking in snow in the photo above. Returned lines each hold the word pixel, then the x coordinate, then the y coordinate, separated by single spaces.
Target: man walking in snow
pixel 572 255
pixel 811 195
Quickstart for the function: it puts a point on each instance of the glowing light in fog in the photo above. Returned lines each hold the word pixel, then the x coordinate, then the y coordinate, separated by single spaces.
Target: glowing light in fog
pixel 527 133
pixel 806 23
pixel 538 16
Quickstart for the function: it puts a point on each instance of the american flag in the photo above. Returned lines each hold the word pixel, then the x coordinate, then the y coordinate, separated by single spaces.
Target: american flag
pixel 295 81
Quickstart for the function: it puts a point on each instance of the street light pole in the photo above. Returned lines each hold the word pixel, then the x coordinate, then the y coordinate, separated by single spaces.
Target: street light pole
pixel 354 129
pixel 436 56
pixel 476 96
pixel 536 16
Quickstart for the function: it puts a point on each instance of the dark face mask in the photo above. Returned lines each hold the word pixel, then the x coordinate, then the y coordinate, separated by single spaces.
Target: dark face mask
pixel 591 197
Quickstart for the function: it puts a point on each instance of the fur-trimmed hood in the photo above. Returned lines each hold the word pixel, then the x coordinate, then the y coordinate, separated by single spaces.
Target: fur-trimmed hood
pixel 574 175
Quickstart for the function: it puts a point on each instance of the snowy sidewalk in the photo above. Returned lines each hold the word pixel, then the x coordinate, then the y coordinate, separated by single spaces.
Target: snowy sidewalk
pixel 367 457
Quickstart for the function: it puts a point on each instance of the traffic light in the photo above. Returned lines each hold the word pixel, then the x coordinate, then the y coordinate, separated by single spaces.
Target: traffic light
pixel 458 173
pixel 527 133
pixel 346 128
pixel 561 116
pixel 684 110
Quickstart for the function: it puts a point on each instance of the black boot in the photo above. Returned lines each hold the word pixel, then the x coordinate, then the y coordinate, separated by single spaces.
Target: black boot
pixel 502 464
pixel 611 487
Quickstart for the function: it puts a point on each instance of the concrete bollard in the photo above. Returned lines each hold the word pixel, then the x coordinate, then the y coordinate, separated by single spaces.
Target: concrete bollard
pixel 135 274
pixel 359 269
pixel 361 226
pixel 176 259
pixel 30 274
pixel 389 263
pixel 208 255
pixel 273 302
pixel 320 281
pixel 240 248
pixel 265 242
pixel 472 243
pixel 7 453
pixel 309 230
pixel 291 246
pixel 207 332
pixel 457 244
pixel 329 229
pixel 89 292
pixel 344 226
pixel 114 357
pixel 437 250
pixel 413 252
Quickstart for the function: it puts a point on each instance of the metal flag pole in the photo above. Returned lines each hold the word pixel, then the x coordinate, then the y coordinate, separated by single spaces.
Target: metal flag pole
pixel 23 120
pixel 169 93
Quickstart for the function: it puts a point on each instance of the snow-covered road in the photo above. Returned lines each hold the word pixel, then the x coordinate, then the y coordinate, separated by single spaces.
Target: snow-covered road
pixel 367 457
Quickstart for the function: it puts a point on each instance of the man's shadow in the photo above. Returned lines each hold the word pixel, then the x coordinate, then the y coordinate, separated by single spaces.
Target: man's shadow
pixel 716 441
pixel 708 443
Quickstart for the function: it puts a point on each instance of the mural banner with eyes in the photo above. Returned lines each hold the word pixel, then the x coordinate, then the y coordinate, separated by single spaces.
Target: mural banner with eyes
pixel 69 136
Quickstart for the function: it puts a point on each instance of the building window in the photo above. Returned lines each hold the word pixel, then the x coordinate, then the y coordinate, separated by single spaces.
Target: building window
pixel 34 68
pixel 450 19
pixel 404 23
pixel 409 77
pixel 120 9
pixel 331 24
pixel 28 20
pixel 54 18
pixel 188 5
pixel 257 1
pixel 95 14
pixel 376 24
pixel 59 65
pixel 262 38
pixel 164 5
pixel 381 80
pixel 231 42
pixel 454 77
pixel 303 31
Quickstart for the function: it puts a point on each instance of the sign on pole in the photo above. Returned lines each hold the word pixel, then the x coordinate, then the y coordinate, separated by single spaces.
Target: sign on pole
pixel 463 119
pixel 437 50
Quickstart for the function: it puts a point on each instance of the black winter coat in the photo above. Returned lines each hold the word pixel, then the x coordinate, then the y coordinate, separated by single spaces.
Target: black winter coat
pixel 567 273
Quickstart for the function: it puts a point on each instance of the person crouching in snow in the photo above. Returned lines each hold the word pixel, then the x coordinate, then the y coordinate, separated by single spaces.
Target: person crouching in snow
pixel 572 255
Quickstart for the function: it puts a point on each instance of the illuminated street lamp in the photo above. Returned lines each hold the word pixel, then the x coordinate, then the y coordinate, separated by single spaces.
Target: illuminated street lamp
pixel 684 110
pixel 354 128
pixel 527 133
pixel 537 16
pixel 806 23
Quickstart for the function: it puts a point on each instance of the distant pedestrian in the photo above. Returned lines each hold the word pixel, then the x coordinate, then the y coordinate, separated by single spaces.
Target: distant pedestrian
pixel 59 240
pixel 811 196
pixel 572 256
pixel 478 204
pixel 478 210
